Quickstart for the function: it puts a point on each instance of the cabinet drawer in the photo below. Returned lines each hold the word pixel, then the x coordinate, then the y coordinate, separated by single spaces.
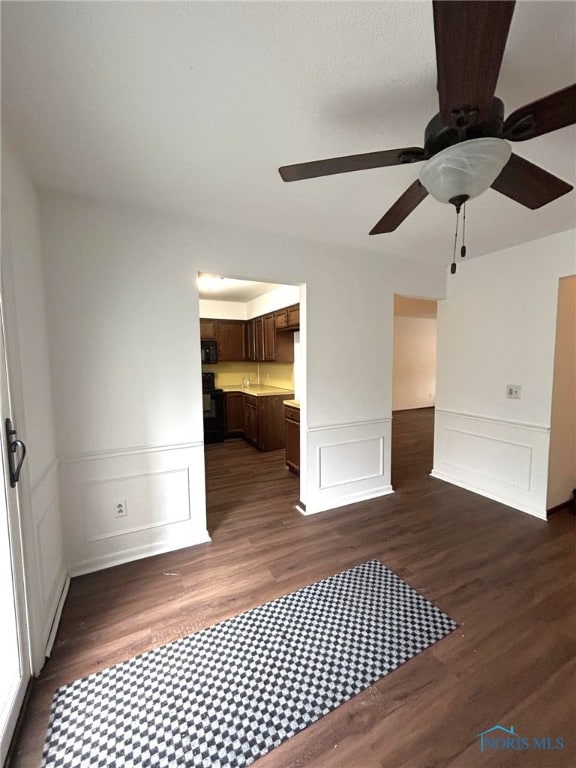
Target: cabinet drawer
pixel 292 413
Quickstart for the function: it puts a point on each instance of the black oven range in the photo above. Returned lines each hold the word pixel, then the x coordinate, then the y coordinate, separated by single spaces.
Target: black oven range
pixel 213 409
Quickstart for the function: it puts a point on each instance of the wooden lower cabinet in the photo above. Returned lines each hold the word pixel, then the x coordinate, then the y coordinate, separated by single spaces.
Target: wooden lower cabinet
pixel 234 407
pixel 292 433
pixel 264 421
pixel 251 420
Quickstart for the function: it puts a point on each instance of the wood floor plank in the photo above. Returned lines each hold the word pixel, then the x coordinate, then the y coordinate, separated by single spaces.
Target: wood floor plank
pixel 508 579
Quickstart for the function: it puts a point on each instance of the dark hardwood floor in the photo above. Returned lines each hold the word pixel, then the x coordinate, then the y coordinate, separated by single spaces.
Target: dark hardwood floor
pixel 508 580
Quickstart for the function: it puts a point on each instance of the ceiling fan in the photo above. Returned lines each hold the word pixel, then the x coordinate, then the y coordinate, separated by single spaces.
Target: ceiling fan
pixel 465 144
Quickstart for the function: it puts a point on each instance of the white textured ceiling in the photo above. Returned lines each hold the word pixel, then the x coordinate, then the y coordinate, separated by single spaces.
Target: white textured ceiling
pixel 190 107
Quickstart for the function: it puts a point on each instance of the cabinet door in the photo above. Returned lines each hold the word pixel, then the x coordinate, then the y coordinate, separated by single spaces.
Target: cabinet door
pixel 250 340
pixel 208 329
pixel 292 444
pixel 259 338
pixel 251 421
pixel 231 340
pixel 269 338
pixel 281 319
pixel 294 316
pixel 234 412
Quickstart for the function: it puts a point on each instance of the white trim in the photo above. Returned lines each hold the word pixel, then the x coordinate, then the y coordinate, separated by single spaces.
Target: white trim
pixel 351 498
pixel 143 449
pixel 487 494
pixel 494 420
pixel 136 553
pixel 50 468
pixel 57 615
pixel 323 486
pixel 138 528
pixel 385 420
pixel 529 448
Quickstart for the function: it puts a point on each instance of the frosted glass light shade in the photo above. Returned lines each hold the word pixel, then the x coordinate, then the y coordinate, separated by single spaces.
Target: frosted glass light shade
pixel 468 168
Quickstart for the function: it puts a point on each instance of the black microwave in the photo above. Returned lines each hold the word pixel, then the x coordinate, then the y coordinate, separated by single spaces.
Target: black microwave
pixel 209 351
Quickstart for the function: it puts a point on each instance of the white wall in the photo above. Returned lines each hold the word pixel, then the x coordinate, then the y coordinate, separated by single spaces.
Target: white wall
pixel 414 365
pixel 123 309
pixel 280 297
pixel 497 327
pixel 225 310
pixel 562 459
pixel 28 353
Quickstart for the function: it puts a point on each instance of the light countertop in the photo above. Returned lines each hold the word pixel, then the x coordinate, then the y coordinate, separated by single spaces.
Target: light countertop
pixel 293 403
pixel 258 390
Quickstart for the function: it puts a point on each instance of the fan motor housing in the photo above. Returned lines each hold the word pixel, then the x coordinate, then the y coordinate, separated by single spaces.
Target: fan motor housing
pixel 438 136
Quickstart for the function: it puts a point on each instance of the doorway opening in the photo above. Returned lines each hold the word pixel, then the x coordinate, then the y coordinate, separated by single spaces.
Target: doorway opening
pixel 413 388
pixel 252 384
pixel 562 451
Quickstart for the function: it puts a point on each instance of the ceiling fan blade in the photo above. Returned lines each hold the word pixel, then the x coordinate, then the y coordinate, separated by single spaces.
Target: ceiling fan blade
pixel 470 41
pixel 528 184
pixel 542 116
pixel 351 163
pixel 402 208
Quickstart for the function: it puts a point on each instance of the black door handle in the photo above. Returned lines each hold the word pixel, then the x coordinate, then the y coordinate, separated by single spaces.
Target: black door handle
pixel 14 466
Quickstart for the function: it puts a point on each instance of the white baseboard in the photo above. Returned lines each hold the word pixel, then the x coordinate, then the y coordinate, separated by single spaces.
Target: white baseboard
pixel 351 498
pixel 57 615
pixel 482 492
pixel 136 553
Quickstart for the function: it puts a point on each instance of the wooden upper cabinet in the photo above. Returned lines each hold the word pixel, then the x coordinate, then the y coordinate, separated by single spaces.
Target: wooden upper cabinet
pixel 293 316
pixel 262 339
pixel 281 319
pixel 288 318
pixel 249 340
pixel 259 338
pixel 208 329
pixel 231 340
pixel 269 338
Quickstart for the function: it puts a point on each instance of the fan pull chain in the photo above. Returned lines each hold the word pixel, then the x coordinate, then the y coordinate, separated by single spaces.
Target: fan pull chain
pixel 453 265
pixel 463 249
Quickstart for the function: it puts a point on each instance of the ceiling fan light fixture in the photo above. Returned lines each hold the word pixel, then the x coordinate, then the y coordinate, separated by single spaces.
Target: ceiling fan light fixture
pixel 466 169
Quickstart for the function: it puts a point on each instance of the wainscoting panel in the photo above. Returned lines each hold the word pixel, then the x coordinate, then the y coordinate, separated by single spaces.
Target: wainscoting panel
pixel 347 463
pixel 52 572
pixel 503 460
pixel 158 498
pixel 161 489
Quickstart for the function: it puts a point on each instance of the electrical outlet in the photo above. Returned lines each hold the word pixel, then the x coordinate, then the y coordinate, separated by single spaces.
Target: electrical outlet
pixel 514 391
pixel 120 509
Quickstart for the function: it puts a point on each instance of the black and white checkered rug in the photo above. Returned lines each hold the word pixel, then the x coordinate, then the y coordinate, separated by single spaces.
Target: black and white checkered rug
pixel 229 694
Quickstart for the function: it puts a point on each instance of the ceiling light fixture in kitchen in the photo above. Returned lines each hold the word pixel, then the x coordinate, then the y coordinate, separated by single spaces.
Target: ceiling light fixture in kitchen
pixel 210 283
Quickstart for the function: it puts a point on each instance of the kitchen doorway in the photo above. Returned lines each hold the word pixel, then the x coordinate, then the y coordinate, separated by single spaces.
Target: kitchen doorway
pixel 413 387
pixel 252 382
